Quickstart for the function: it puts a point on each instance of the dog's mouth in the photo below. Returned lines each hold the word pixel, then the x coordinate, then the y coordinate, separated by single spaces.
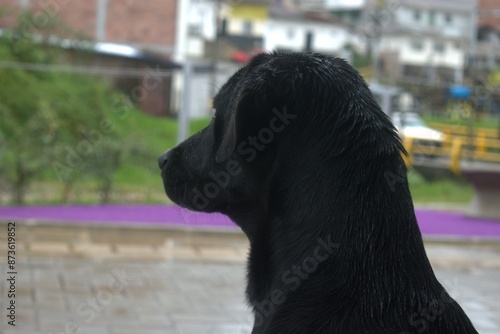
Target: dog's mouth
pixel 175 189
pixel 184 194
pixel 194 197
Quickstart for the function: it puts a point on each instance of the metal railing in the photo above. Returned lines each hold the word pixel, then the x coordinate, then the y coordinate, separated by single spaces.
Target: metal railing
pixel 460 143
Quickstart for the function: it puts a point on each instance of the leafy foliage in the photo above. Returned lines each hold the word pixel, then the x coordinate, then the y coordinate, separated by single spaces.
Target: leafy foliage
pixel 60 122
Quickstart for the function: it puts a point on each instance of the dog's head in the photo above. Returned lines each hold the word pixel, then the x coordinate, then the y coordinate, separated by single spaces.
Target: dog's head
pixel 281 115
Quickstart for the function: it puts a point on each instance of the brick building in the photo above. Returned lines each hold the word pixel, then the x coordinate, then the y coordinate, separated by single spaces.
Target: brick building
pixel 147 24
pixel 144 29
pixel 488 45
pixel 489 14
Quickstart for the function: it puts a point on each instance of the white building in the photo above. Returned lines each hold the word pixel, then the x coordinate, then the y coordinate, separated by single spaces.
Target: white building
pixel 425 55
pixel 306 33
pixel 237 22
pixel 430 36
pixel 201 26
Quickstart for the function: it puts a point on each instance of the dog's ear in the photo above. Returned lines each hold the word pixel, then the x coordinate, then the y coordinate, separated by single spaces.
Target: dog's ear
pixel 249 110
pixel 228 142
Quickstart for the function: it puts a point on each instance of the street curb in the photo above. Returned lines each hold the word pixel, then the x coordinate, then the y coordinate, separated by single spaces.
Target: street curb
pixel 218 231
pixel 124 225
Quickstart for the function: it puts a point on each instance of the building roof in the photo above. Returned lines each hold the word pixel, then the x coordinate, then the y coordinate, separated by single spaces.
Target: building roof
pixel 447 5
pixel 117 50
pixel 395 29
pixel 462 6
pixel 279 13
pixel 108 49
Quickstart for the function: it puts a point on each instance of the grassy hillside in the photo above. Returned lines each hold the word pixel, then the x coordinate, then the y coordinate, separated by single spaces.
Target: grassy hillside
pixel 135 182
pixel 155 135
pixel 140 182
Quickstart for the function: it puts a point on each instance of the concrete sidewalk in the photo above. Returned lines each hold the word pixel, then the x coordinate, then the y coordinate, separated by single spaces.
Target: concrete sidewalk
pixel 148 281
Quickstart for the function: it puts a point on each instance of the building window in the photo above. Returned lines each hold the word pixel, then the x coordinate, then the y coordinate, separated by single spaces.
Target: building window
pixel 223 28
pixel 439 47
pixel 290 33
pixel 457 45
pixel 247 28
pixel 417 15
pixel 432 18
pixel 417 45
pixel 448 18
pixel 194 29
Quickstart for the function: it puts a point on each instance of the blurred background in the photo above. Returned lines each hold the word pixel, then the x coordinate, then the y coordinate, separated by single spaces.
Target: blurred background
pixel 93 91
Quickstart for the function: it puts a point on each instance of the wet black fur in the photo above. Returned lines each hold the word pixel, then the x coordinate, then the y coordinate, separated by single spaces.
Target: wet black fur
pixel 333 175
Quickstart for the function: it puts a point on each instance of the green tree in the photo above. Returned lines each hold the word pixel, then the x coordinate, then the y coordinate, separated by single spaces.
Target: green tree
pixel 54 123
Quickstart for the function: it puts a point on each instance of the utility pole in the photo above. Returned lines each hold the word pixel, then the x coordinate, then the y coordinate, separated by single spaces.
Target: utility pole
pixel 25 4
pixel 376 38
pixel 183 116
pixel 100 31
pixel 214 59
pixel 183 80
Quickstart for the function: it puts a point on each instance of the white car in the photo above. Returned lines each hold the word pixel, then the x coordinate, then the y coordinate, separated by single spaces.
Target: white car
pixel 411 125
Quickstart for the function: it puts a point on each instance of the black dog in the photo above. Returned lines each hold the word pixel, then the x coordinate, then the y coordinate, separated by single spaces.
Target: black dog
pixel 303 159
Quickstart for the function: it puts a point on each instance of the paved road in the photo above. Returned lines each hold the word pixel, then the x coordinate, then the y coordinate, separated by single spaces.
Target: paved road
pixel 70 279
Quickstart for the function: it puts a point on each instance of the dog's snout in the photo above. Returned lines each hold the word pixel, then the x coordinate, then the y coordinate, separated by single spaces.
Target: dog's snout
pixel 162 160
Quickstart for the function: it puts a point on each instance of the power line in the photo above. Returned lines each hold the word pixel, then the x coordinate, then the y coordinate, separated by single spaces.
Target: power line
pixel 88 70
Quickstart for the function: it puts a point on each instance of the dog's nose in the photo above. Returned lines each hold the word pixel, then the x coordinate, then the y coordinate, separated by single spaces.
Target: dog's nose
pixel 162 160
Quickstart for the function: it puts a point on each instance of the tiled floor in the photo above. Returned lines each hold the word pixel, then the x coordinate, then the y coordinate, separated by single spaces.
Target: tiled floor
pixel 183 287
pixel 121 297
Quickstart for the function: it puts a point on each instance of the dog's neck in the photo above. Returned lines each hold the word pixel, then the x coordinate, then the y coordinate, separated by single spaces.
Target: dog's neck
pixel 350 227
